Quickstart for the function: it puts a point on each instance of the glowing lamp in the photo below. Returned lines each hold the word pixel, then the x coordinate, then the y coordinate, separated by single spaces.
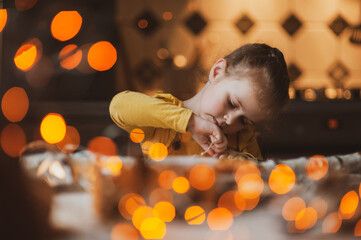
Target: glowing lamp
pixel 53 128
pixel 65 25
pixel 15 104
pixel 3 18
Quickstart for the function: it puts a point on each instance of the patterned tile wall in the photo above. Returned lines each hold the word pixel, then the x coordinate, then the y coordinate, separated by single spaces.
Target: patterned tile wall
pixel 313 35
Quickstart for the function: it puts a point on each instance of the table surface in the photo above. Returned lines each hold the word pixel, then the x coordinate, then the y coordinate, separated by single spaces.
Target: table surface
pixel 75 212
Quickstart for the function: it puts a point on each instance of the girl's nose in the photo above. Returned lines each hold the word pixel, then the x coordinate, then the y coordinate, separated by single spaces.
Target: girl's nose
pixel 233 116
pixel 230 117
pixel 226 119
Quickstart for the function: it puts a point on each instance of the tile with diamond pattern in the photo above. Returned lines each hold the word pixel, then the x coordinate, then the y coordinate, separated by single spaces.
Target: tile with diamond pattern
pixel 292 24
pixel 244 24
pixel 338 25
pixel 195 23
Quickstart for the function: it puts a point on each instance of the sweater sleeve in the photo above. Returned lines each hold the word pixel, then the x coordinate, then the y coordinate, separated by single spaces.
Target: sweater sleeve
pixel 131 109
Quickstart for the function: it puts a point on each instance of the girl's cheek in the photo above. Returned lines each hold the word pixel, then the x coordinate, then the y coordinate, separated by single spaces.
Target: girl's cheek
pixel 219 108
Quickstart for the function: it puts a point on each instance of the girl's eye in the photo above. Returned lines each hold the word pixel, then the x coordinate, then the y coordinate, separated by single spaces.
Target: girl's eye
pixel 231 104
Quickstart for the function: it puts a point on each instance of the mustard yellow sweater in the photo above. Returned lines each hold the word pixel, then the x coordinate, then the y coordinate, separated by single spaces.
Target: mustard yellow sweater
pixel 163 118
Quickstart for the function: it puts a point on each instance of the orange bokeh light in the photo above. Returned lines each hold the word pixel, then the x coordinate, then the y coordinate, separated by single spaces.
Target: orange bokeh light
pixel 26 56
pixel 282 179
pixel 195 215
pixel 192 6
pixel 103 145
pixel 159 195
pixel 153 228
pixel 306 218
pixel 133 203
pixel 251 203
pixel 332 124
pixel 166 179
pixel 232 201
pixel 129 203
pixel 12 140
pixel 292 207
pixel 250 186
pixel 140 214
pixel 53 128
pixel 245 169
pixel 142 23
pixel 102 56
pixel 65 25
pixel 317 167
pixel 332 223
pixel 165 211
pixel 202 177
pixel 219 219
pixel 70 56
pixel 71 140
pixel 167 15
pixel 180 61
pixel 114 165
pixel 3 18
pixel 15 104
pixel 124 231
pixel 137 135
pixel 158 152
pixel 320 205
pixel 349 204
pixel 146 146
pixel 357 231
pixel 180 185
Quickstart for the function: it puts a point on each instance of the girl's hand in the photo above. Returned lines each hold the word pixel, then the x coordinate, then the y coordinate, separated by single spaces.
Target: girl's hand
pixel 204 132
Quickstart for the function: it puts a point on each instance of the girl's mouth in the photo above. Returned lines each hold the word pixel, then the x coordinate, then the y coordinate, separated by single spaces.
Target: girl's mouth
pixel 216 122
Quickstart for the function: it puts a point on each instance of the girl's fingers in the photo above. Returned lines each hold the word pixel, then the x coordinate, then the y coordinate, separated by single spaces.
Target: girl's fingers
pixel 220 147
pixel 207 149
pixel 217 136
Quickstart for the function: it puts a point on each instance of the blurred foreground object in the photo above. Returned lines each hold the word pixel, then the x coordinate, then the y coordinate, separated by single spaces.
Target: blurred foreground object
pixel 25 203
pixel 313 195
pixel 322 183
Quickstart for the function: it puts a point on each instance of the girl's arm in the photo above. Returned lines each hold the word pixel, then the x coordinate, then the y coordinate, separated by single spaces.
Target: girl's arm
pixel 131 109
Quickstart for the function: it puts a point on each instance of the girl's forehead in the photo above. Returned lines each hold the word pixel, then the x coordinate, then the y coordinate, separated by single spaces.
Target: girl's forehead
pixel 253 74
pixel 239 83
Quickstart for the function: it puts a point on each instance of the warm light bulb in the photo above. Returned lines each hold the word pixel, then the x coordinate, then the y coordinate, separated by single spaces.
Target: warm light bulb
pixel 3 18
pixel 65 25
pixel 53 128
pixel 102 56
pixel 25 57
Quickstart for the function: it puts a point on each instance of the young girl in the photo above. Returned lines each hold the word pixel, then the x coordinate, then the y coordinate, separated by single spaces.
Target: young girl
pixel 245 88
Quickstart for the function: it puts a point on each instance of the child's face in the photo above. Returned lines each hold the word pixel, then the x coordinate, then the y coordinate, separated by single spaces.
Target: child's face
pixel 231 103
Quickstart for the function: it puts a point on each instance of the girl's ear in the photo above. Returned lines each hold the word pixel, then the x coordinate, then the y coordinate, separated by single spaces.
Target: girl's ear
pixel 218 69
